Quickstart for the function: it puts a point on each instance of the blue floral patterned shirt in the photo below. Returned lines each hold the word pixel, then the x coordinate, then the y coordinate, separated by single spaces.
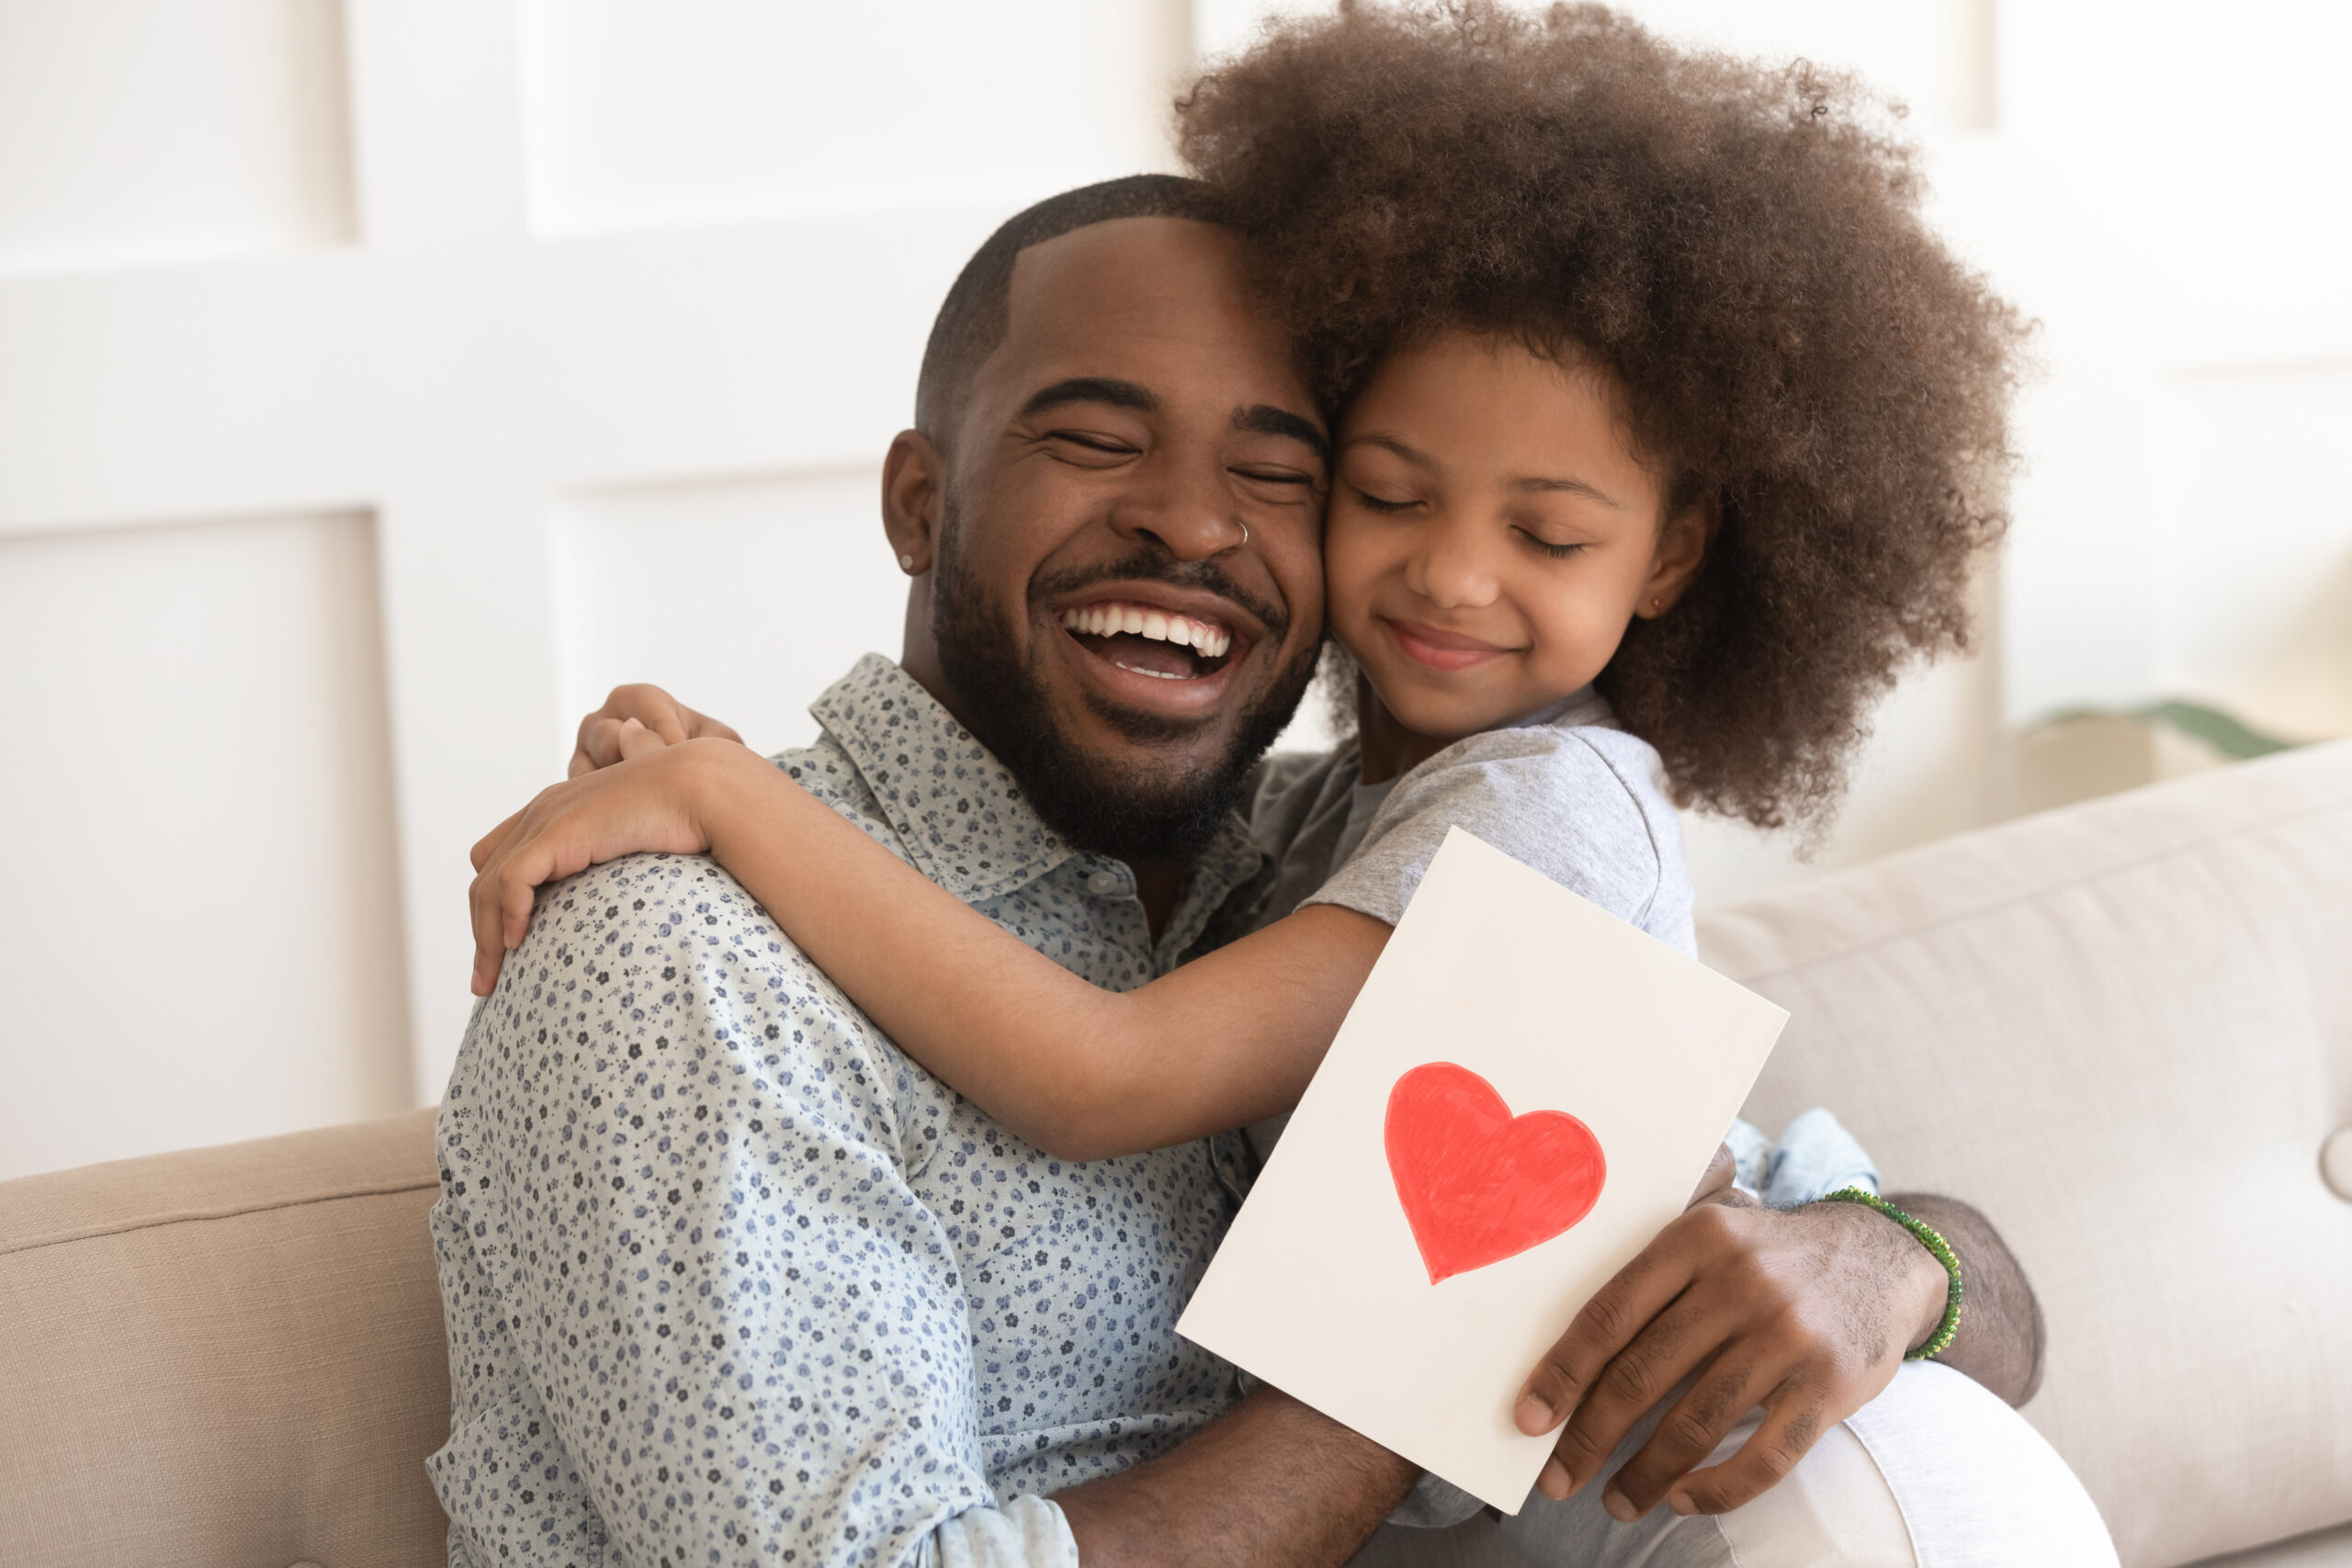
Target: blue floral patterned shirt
pixel 731 1279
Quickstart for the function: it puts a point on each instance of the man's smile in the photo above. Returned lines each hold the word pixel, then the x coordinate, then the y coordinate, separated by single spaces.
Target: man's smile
pixel 1147 639
pixel 1156 646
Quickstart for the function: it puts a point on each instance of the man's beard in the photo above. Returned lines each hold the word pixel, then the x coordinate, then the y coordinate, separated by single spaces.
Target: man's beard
pixel 1127 814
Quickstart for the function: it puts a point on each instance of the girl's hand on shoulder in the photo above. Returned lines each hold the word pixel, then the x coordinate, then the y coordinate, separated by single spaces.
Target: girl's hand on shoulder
pixel 655 801
pixel 636 720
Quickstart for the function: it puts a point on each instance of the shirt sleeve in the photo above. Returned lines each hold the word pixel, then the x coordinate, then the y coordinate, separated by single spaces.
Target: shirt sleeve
pixel 1028 1532
pixel 748 1332
pixel 1579 805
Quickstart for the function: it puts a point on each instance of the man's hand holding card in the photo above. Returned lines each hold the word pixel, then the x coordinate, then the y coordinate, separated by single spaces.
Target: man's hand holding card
pixel 1517 1104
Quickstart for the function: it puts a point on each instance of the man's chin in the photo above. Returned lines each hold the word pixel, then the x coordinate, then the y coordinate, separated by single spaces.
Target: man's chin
pixel 1126 795
pixel 1135 780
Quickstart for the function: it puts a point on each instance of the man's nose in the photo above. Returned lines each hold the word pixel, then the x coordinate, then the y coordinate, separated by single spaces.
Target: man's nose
pixel 1182 503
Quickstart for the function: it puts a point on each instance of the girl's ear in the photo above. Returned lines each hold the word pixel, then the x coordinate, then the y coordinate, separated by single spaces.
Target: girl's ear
pixel 914 483
pixel 1682 545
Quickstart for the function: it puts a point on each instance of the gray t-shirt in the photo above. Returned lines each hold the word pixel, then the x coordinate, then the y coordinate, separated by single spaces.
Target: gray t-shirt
pixel 1565 791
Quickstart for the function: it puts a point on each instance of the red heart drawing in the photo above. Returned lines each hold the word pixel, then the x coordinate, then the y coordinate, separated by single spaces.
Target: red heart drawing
pixel 1478 1184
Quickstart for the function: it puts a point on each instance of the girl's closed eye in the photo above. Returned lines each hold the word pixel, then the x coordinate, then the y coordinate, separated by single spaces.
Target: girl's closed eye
pixel 1559 549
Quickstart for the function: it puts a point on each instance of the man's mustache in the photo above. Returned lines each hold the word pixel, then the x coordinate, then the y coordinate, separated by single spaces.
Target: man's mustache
pixel 1157 566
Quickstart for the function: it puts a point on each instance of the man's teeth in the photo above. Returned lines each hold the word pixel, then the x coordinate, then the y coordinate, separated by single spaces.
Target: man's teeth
pixel 1204 637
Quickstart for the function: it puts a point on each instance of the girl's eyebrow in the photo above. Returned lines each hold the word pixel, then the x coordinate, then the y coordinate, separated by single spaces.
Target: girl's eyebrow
pixel 1412 455
pixel 1527 485
pixel 1566 486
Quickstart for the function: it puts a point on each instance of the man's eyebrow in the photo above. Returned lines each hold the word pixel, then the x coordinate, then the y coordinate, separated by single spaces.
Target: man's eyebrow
pixel 1265 419
pixel 1091 389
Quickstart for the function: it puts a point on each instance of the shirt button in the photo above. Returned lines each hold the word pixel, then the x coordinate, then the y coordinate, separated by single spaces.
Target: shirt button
pixel 1103 883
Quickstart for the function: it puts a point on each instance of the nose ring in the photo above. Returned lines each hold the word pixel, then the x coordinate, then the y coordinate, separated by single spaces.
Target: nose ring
pixel 1245 531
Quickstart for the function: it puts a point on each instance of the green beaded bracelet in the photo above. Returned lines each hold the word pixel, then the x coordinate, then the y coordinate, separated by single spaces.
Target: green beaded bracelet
pixel 1935 1243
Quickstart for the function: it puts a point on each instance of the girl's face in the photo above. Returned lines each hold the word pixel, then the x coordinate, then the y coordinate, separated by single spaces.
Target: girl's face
pixel 1491 532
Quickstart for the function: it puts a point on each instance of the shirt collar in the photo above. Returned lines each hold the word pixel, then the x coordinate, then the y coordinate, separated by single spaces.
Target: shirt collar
pixel 963 819
pixel 961 815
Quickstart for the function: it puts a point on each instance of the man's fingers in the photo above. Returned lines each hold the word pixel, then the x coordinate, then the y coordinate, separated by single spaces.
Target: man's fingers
pixel 1793 1421
pixel 1666 1351
pixel 1607 1324
pixel 1715 1402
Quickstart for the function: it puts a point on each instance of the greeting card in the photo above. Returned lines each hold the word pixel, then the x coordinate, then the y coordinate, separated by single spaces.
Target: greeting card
pixel 1524 1093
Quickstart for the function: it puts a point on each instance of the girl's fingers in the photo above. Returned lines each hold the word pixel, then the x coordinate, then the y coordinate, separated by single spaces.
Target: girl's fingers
pixel 670 722
pixel 490 951
pixel 518 888
pixel 704 724
pixel 487 845
pixel 634 740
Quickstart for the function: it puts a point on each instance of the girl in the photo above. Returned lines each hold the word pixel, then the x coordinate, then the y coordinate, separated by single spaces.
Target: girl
pixel 1667 433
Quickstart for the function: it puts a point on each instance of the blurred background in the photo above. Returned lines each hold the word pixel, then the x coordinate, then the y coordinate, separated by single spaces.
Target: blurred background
pixel 381 381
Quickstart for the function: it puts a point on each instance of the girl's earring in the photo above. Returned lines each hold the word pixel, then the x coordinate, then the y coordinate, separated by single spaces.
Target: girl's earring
pixel 905 563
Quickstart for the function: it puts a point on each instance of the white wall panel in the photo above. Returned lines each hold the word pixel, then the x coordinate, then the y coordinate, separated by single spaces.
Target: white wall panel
pixel 143 132
pixel 2256 585
pixel 745 598
pixel 703 110
pixel 203 940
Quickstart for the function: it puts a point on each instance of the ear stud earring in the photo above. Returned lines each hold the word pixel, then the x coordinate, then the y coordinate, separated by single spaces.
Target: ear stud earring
pixel 905 563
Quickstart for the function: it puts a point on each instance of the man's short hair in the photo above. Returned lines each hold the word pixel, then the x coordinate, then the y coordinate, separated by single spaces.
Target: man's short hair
pixel 972 321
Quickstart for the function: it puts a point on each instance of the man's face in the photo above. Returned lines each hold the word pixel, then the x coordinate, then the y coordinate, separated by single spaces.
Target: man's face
pixel 1128 590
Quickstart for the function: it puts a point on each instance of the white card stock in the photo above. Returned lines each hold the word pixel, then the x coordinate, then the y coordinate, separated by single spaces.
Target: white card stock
pixel 1524 1093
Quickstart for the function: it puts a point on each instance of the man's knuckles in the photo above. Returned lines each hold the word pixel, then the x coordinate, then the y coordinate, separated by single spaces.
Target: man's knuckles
pixel 1580 1449
pixel 1606 1319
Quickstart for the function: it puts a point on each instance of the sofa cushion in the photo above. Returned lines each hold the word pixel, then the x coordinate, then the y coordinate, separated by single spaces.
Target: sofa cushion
pixel 227 1355
pixel 2123 1030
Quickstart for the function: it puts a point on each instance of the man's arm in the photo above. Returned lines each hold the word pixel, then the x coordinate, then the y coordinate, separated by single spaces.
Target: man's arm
pixel 687 1167
pixel 1271 1480
pixel 2001 1332
pixel 1805 1312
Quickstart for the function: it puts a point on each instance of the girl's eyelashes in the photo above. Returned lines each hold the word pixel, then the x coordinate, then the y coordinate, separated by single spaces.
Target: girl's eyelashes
pixel 1557 552
pixel 1372 503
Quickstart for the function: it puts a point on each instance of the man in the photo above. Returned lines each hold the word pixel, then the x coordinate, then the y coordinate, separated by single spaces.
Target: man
pixel 729 1278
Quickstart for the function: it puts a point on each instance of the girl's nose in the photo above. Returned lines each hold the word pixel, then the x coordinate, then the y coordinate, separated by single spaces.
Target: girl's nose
pixel 1452 567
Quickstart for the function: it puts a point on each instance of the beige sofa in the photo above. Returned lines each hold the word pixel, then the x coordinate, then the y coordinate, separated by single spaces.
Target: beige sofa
pixel 2125 1030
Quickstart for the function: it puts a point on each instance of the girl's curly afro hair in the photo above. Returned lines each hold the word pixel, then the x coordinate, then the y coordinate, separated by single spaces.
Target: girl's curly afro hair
pixel 1741 246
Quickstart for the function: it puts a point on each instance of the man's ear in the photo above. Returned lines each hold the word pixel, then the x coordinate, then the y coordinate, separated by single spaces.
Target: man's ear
pixel 914 493
pixel 1682 545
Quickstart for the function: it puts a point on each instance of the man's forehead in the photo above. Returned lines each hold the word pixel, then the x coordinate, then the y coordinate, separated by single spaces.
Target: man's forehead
pixel 1158 286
